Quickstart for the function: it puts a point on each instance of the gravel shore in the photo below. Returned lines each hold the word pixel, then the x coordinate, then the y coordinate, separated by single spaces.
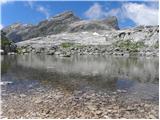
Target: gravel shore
pixel 58 103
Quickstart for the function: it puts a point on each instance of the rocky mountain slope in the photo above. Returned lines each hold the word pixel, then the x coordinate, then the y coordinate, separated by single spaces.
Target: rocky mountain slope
pixel 64 22
pixel 66 34
pixel 141 40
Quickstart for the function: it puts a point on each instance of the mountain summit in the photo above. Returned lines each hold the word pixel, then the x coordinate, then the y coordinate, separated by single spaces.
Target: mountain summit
pixel 64 22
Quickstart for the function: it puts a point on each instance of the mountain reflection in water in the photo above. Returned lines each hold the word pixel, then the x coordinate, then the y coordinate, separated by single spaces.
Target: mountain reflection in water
pixel 102 73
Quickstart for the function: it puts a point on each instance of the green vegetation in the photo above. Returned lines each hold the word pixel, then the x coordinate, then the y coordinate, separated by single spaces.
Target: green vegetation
pixel 19 50
pixel 66 44
pixel 129 45
pixel 69 45
pixel 4 40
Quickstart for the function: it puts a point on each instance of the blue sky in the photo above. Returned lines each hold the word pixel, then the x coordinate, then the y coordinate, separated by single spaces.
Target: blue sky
pixel 128 13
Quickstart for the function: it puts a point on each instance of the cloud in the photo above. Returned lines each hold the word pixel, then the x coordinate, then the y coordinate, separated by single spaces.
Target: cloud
pixel 30 4
pixel 95 12
pixel 1 26
pixel 154 5
pixel 113 12
pixel 43 10
pixel 38 8
pixel 140 14
pixel 5 1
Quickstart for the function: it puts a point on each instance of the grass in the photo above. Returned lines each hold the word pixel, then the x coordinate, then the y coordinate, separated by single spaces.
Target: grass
pixel 129 45
pixel 69 44
pixel 66 44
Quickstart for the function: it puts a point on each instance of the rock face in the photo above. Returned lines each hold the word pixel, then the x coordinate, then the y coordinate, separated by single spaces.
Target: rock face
pixel 140 40
pixel 16 32
pixel 65 34
pixel 64 22
pixel 147 35
pixel 94 25
pixel 7 45
pixel 112 22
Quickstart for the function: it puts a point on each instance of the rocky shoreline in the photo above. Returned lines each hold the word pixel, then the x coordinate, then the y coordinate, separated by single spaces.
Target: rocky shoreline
pixel 69 49
pixel 77 104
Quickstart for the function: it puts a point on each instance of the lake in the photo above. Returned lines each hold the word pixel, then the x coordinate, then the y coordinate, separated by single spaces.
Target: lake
pixel 138 76
pixel 43 86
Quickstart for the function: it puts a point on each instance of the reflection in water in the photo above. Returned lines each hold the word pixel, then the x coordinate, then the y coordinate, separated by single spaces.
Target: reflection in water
pixel 85 72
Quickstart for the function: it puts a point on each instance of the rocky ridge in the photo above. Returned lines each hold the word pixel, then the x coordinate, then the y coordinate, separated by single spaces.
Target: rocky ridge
pixel 64 22
pixel 66 34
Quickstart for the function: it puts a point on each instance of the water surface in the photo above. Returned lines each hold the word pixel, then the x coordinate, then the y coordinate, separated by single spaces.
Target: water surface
pixel 137 76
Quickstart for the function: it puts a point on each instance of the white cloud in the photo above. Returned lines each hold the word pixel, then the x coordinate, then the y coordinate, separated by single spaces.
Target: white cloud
pixel 154 5
pixel 43 10
pixel 30 4
pixel 1 26
pixel 95 12
pixel 38 8
pixel 5 1
pixel 141 14
pixel 113 12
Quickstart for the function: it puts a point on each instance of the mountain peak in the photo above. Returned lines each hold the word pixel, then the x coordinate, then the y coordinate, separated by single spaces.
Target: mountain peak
pixel 112 21
pixel 63 22
pixel 65 15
